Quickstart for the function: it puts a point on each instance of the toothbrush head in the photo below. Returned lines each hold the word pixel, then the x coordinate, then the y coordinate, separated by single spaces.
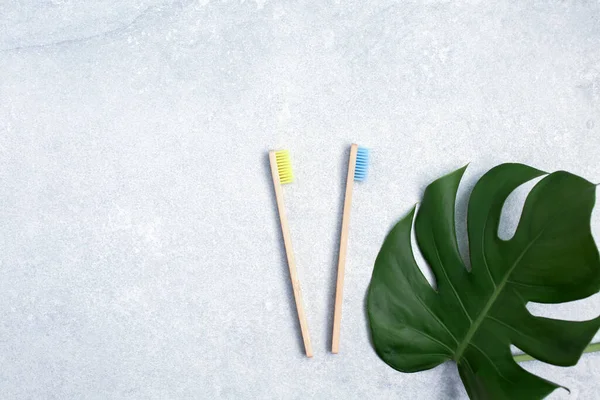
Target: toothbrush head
pixel 362 163
pixel 284 166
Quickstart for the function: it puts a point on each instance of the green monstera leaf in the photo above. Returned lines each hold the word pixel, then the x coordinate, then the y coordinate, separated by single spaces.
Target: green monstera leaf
pixel 475 315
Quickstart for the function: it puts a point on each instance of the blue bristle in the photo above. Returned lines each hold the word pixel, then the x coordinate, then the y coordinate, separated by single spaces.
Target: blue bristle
pixel 362 163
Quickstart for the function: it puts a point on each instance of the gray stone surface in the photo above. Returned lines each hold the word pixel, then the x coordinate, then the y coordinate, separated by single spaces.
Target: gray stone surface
pixel 140 256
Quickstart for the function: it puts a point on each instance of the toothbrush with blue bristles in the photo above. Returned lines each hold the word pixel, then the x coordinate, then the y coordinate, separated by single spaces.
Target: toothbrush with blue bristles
pixel 357 171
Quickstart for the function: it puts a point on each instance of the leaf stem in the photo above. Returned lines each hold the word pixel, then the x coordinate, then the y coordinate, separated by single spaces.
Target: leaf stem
pixel 591 348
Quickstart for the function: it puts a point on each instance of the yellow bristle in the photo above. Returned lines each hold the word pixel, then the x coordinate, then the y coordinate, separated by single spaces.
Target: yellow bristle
pixel 284 166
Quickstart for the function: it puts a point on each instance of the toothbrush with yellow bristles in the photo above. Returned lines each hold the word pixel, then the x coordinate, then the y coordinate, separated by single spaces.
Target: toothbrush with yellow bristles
pixel 281 169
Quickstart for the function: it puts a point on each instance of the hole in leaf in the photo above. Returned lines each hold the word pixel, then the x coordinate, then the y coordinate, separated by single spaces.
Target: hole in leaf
pixel 513 208
pixel 595 221
pixel 515 350
pixel 578 310
pixel 461 209
pixel 421 263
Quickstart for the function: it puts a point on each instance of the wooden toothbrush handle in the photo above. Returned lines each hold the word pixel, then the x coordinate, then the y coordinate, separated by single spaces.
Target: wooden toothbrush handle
pixel 287 240
pixel 339 289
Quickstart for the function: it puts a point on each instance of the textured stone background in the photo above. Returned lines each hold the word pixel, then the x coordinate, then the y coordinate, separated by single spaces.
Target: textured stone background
pixel 140 256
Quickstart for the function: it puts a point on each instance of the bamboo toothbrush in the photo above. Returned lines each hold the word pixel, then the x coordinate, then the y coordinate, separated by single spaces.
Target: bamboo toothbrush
pixel 357 171
pixel 281 169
